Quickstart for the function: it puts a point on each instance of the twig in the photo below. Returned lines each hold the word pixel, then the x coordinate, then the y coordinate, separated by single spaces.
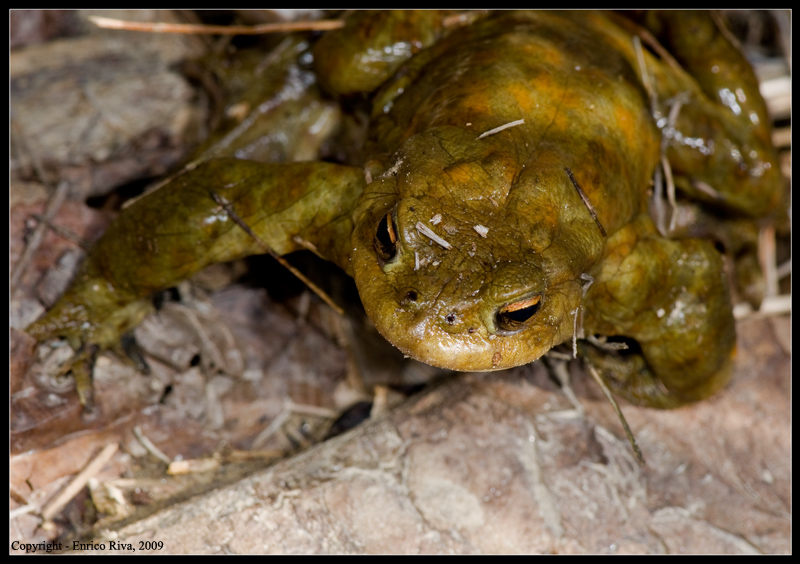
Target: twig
pixel 672 119
pixel 65 233
pixel 658 201
pixel 770 306
pixel 52 207
pixel 586 201
pixel 615 405
pixel 20 141
pixel 428 232
pixel 667 168
pixel 63 498
pixel 637 47
pixel 706 189
pixel 577 327
pixel 558 368
pixel 164 27
pixel 501 128
pixel 767 260
pixel 784 269
pixel 271 429
pixel 241 223
pixel 149 446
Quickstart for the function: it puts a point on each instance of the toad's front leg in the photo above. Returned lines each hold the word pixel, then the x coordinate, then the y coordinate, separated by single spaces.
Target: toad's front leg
pixel 198 218
pixel 671 298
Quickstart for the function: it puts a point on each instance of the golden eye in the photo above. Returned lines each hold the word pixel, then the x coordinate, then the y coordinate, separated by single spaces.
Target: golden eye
pixel 385 241
pixel 512 317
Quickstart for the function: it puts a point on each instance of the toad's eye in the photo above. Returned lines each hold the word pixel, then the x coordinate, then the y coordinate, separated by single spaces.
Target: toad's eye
pixel 512 317
pixel 385 241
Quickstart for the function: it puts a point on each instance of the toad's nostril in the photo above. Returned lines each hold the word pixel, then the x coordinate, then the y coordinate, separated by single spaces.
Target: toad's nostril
pixel 410 296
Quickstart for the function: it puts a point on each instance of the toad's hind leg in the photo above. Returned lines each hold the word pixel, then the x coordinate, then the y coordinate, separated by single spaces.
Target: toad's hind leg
pixel 715 125
pixel 671 298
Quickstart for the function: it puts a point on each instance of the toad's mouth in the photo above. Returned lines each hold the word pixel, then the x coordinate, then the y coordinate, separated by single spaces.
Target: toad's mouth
pixel 475 335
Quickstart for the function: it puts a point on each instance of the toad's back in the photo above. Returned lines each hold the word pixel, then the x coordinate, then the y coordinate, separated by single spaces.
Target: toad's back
pixel 572 82
pixel 517 229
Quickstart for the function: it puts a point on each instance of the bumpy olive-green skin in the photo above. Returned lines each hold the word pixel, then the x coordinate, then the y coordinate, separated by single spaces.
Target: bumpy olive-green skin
pixel 551 210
